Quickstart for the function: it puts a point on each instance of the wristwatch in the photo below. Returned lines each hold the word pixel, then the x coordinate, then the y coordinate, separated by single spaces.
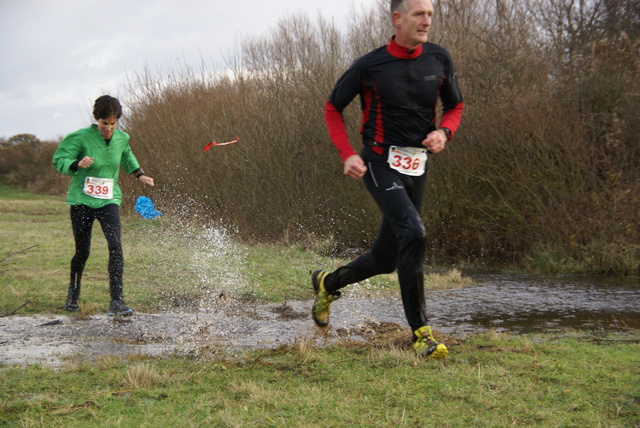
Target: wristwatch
pixel 447 132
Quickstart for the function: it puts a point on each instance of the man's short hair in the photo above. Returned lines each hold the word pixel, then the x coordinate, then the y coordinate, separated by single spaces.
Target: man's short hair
pixel 398 6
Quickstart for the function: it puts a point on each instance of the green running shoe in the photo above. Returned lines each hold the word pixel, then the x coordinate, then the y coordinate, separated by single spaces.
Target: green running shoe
pixel 427 346
pixel 321 306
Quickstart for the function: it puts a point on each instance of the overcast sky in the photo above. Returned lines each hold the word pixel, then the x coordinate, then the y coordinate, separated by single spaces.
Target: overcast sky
pixel 58 56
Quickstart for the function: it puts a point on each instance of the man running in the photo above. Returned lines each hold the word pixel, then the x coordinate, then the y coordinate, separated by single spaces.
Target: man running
pixel 399 85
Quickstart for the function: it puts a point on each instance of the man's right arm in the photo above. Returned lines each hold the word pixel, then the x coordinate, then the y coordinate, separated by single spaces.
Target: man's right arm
pixel 337 131
pixel 346 89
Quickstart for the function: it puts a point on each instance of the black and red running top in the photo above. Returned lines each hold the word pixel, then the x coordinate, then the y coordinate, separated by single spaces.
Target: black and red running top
pixel 399 90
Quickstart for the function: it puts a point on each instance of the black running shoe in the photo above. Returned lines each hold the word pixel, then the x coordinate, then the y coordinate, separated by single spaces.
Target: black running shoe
pixel 119 308
pixel 72 305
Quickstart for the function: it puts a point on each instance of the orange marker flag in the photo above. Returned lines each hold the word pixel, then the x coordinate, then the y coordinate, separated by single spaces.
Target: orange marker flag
pixel 213 143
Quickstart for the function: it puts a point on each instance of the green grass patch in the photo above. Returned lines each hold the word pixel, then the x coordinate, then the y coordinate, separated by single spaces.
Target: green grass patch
pixel 11 192
pixel 491 380
pixel 169 262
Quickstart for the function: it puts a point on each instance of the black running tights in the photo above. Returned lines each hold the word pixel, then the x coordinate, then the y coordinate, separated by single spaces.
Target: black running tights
pixel 401 239
pixel 82 218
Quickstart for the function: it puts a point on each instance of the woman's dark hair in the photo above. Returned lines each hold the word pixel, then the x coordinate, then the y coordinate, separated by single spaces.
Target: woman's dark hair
pixel 107 106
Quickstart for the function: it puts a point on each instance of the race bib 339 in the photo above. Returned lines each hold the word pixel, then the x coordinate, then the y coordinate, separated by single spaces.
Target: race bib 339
pixel 101 188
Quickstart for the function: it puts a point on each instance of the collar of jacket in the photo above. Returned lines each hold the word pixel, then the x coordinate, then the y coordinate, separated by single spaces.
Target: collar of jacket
pixel 401 52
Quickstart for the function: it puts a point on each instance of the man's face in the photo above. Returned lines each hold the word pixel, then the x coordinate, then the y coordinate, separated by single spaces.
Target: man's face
pixel 412 26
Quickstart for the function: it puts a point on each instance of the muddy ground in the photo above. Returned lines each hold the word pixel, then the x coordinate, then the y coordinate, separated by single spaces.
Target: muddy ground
pixel 513 304
pixel 229 328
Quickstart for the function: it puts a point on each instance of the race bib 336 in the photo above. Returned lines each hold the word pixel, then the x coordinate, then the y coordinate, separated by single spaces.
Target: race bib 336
pixel 408 160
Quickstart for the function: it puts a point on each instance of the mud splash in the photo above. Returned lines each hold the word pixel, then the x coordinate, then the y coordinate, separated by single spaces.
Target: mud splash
pixel 518 304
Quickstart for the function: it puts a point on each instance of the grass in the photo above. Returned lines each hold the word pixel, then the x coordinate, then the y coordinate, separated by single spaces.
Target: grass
pixel 490 380
pixel 169 262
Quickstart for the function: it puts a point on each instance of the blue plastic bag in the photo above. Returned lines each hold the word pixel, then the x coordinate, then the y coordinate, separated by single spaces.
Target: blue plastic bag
pixel 144 207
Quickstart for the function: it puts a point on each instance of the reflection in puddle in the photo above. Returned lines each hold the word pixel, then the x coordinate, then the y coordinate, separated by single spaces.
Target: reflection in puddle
pixel 523 304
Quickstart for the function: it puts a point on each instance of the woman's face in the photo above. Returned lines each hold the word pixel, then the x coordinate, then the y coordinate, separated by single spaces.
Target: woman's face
pixel 106 126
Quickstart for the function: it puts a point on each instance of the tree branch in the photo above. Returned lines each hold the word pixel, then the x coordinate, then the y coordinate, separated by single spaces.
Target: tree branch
pixel 16 252
pixel 14 311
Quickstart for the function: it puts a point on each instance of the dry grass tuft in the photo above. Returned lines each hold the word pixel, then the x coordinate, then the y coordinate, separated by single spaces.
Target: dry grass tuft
pixel 141 376
pixel 450 279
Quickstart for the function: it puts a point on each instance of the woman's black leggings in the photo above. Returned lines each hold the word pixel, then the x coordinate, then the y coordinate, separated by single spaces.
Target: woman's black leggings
pixel 82 218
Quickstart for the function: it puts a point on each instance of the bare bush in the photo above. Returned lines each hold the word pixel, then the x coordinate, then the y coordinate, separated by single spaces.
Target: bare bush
pixel 547 157
pixel 25 162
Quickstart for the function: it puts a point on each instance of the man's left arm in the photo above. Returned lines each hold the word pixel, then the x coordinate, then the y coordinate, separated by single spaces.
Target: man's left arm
pixel 452 102
pixel 452 107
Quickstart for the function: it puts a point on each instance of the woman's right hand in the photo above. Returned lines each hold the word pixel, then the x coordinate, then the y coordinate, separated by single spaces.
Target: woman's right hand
pixel 85 162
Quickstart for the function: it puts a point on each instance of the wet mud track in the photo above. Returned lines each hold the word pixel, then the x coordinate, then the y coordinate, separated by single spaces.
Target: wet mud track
pixel 520 304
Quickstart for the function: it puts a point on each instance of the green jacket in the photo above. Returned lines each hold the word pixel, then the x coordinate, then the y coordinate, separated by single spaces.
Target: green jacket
pixel 107 161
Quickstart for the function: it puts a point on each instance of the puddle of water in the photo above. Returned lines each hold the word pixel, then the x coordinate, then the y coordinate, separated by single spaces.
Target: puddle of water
pixel 506 303
pixel 524 304
pixel 517 303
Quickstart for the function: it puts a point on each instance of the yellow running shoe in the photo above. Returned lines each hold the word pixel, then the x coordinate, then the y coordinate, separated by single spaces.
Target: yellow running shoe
pixel 321 306
pixel 427 346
